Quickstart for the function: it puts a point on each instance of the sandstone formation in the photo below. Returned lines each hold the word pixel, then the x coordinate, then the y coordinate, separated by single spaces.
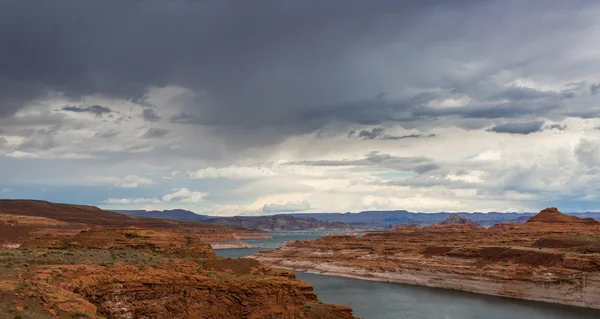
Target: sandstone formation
pixel 166 243
pixel 455 219
pixel 179 290
pixel 553 216
pixel 232 245
pixel 36 217
pixel 553 258
pixel 58 266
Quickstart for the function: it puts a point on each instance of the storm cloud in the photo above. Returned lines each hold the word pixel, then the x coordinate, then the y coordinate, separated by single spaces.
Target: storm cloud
pixel 97 110
pixel 225 54
pixel 518 128
pixel 348 104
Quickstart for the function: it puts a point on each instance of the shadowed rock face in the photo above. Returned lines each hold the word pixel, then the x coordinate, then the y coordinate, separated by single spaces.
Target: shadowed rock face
pixel 455 219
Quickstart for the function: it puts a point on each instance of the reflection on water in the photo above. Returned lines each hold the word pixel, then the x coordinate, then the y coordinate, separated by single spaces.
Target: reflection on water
pixel 378 300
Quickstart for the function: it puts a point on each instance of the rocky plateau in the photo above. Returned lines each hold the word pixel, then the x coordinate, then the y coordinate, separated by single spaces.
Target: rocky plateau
pixel 87 263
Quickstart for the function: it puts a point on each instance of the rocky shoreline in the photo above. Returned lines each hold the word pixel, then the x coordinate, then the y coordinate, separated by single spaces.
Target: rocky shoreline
pixel 554 258
pixel 552 290
pixel 232 245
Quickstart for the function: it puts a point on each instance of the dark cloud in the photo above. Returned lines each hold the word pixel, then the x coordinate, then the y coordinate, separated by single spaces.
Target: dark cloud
pixel 518 128
pixel 278 68
pixel 410 136
pixel 183 118
pixel 372 134
pixel 422 169
pixel 420 165
pixel 493 111
pixel 155 132
pixel 97 110
pixel 150 115
pixel 379 133
pixel 107 134
pixel 517 93
pixel 559 127
pixel 595 88
pixel 42 139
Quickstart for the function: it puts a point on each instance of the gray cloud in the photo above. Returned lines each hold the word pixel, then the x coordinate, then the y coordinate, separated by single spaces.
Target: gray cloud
pixel 559 127
pixel 372 134
pixel 588 153
pixel 518 128
pixel 420 165
pixel 286 207
pixel 391 137
pixel 227 53
pixel 155 132
pixel 42 139
pixel 379 133
pixel 97 110
pixel 595 88
pixel 150 115
pixel 107 134
pixel 422 169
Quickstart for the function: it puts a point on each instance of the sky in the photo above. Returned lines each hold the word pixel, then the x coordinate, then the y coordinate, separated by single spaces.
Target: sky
pixel 264 107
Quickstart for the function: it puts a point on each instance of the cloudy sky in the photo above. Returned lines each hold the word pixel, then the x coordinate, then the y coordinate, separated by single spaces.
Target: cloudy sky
pixel 262 107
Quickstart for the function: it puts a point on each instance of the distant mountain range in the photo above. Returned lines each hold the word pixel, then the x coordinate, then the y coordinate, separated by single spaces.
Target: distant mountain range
pixel 367 219
pixel 265 223
pixel 386 218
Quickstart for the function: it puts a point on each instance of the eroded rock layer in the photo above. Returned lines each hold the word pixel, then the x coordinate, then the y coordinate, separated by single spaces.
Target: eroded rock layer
pixel 131 273
pixel 553 258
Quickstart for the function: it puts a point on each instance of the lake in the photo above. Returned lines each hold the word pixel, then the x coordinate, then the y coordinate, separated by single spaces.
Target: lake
pixel 379 300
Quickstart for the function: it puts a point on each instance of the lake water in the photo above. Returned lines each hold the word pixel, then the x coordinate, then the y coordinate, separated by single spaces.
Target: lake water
pixel 378 300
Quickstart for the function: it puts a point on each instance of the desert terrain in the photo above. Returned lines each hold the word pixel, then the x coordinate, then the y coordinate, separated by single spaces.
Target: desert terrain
pixel 69 261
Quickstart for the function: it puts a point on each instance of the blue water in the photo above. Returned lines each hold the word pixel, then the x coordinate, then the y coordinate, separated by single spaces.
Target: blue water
pixel 277 240
pixel 378 300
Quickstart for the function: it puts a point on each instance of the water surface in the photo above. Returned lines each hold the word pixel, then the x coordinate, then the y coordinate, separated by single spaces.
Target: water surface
pixel 379 300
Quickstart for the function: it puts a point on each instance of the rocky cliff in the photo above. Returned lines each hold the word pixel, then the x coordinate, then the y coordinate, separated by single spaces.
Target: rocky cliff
pixel 554 258
pixel 224 289
pixel 63 269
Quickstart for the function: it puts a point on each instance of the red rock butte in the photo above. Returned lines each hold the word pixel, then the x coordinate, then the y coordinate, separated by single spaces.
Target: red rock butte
pixel 554 216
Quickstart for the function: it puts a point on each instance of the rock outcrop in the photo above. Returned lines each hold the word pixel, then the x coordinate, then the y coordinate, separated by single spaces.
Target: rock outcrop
pixel 553 216
pixel 71 261
pixel 455 219
pixel 77 217
pixel 179 290
pixel 139 273
pixel 551 258
pixel 279 222
pixel 170 244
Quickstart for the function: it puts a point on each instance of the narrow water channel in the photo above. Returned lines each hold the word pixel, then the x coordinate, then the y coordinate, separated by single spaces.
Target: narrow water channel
pixel 378 300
